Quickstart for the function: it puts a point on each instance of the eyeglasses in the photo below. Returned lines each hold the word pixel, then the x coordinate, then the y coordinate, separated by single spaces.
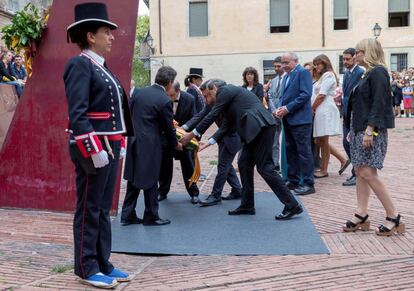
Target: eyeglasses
pixel 358 51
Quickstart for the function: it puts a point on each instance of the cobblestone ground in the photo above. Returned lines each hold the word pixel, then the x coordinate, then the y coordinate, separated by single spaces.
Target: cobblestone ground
pixel 36 247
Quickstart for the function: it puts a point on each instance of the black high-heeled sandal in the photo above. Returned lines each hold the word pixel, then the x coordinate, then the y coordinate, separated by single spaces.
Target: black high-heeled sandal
pixel 362 225
pixel 398 227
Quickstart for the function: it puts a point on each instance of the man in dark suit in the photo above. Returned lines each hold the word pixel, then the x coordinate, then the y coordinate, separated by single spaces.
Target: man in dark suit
pixel 296 113
pixel 229 144
pixel 256 128
pixel 351 79
pixel 184 110
pixel 152 114
pixel 133 90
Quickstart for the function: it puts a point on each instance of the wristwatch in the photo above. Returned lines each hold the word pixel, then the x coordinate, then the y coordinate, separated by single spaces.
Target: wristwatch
pixel 368 132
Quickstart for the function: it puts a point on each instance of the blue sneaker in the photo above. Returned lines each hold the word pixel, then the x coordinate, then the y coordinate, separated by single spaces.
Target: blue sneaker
pixel 119 275
pixel 100 280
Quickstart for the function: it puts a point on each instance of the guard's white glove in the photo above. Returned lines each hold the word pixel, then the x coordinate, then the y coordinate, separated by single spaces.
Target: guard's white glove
pixel 122 153
pixel 100 159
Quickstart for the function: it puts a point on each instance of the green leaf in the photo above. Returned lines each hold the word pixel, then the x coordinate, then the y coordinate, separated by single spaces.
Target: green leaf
pixel 24 40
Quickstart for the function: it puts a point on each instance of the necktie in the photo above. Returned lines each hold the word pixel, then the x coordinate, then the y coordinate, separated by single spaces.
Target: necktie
pixel 284 82
pixel 278 86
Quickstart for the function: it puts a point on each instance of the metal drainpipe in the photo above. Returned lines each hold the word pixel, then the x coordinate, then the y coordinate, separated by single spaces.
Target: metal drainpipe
pixel 323 23
pixel 159 25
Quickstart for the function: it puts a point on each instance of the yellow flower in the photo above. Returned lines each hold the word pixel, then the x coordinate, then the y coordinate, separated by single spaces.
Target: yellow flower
pixel 15 41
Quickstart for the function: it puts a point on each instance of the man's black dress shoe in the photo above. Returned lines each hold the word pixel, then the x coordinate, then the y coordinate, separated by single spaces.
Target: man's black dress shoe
pixel 242 211
pixel 291 186
pixel 210 201
pixel 131 221
pixel 304 190
pixel 351 181
pixel 288 213
pixel 195 200
pixel 232 196
pixel 157 222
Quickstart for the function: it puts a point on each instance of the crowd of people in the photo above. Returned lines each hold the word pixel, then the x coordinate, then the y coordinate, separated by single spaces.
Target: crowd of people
pixel 402 84
pixel 12 70
pixel 298 111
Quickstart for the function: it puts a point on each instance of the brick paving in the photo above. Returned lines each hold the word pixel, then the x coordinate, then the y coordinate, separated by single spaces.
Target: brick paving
pixel 36 246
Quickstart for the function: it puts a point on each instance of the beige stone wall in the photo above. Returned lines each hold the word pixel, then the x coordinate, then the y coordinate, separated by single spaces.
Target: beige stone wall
pixel 239 34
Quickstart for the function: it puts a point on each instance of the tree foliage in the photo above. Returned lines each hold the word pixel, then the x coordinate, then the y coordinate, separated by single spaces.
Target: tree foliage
pixel 140 75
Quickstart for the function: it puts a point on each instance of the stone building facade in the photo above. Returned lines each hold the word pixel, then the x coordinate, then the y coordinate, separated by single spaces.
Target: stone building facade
pixel 225 36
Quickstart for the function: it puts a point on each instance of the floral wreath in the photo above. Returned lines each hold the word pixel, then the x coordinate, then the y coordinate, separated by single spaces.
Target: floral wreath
pixel 25 32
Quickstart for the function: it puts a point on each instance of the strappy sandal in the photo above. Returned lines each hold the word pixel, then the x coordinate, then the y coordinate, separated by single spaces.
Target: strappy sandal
pixel 362 225
pixel 398 227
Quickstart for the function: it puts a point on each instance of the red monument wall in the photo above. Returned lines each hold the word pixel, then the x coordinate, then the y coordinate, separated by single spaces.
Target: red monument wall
pixel 35 170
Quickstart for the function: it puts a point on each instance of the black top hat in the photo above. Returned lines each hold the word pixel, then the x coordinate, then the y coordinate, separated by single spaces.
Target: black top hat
pixel 198 72
pixel 91 13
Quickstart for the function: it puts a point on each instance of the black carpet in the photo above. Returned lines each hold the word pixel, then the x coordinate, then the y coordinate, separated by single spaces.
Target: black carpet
pixel 196 230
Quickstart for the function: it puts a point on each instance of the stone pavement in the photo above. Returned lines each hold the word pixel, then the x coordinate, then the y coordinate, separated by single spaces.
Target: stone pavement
pixel 36 246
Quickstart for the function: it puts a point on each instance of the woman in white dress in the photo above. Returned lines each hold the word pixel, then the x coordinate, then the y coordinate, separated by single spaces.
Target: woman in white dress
pixel 326 114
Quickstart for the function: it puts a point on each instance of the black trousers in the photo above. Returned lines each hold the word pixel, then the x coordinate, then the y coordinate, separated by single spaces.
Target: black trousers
pixel 130 203
pixel 91 223
pixel 225 172
pixel 166 173
pixel 259 153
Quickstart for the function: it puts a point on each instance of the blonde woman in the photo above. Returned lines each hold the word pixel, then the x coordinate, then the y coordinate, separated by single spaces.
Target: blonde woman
pixel 370 114
pixel 326 114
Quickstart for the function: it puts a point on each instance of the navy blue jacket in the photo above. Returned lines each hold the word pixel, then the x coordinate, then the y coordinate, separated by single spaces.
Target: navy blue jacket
pixel 18 73
pixel 296 96
pixel 97 104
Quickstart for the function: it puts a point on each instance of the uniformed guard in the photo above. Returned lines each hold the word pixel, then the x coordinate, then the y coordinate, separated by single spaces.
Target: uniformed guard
pixel 98 118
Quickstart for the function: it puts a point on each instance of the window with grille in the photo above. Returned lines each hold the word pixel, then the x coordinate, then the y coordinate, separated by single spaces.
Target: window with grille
pixel 399 62
pixel 279 16
pixel 398 13
pixel 341 65
pixel 198 19
pixel 268 71
pixel 341 14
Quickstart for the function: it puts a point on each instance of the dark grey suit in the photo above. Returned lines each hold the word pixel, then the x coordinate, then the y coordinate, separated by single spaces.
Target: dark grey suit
pixel 228 145
pixel 256 128
pixel 152 115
